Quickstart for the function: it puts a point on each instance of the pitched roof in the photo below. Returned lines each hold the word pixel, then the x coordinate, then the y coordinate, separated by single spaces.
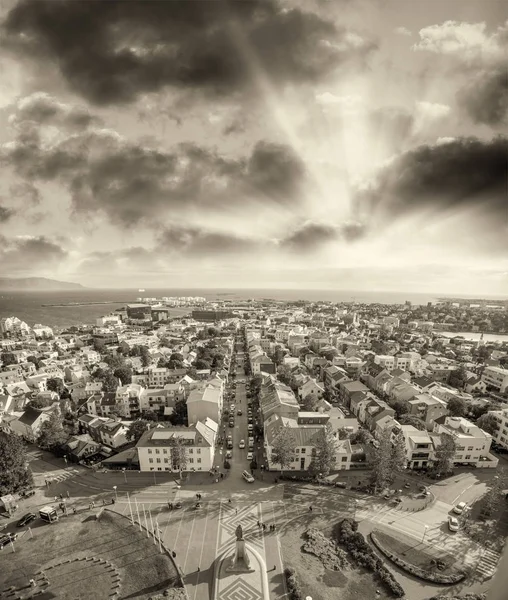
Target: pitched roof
pixel 30 416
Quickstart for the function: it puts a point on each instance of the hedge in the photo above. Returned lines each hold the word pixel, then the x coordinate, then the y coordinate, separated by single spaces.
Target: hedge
pixel 293 587
pixel 347 535
pixel 417 571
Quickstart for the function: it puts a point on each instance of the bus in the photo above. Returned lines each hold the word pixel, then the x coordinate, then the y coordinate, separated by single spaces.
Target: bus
pixel 48 514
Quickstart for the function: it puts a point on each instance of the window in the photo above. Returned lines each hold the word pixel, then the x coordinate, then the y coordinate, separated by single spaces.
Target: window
pixel 344 459
pixel 165 460
pixel 164 451
pixel 191 450
pixel 467 457
pixel 191 460
pixel 157 451
pixel 198 450
pixel 150 460
pixel 298 450
pixel 149 451
pixel 304 450
pixel 199 460
pixel 158 460
pixel 470 448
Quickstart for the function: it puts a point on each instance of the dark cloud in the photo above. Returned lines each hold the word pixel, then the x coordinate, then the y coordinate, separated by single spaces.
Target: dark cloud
pixel 5 213
pixel 133 182
pixel 440 177
pixel 25 192
pixel 25 254
pixel 485 97
pixel 197 241
pixel 110 52
pixel 42 109
pixel 311 236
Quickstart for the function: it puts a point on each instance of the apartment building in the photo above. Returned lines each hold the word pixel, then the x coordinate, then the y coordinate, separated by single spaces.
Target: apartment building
pixel 419 446
pixel 206 401
pixel 473 444
pixel 427 408
pixel 501 434
pixel 496 377
pixel 154 447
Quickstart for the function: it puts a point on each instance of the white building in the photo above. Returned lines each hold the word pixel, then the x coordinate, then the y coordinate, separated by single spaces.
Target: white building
pixel 154 447
pixel 501 435
pixel 496 377
pixel 473 444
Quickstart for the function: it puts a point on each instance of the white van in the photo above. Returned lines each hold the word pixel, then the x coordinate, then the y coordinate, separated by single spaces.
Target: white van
pixel 248 477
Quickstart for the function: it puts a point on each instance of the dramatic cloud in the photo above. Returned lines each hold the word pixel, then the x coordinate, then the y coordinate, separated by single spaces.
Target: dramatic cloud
pixel 192 241
pixel 460 172
pixel 136 183
pixel 110 52
pixel 312 236
pixel 25 254
pixel 466 40
pixel 485 97
pixel 5 213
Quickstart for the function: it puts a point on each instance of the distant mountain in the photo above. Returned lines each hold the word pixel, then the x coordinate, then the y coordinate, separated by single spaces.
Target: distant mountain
pixel 36 284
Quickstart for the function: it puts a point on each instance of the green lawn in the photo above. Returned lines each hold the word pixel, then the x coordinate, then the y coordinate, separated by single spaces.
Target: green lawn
pixel 318 582
pixel 417 553
pixel 142 569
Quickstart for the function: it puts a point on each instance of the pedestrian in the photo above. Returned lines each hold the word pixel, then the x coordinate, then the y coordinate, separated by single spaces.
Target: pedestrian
pixel 112 500
pixel 56 498
pixel 236 511
pixel 274 567
pixel 61 496
pixel 46 482
pixel 229 501
pixel 173 554
pixel 103 502
pixel 264 527
pixel 216 480
pixel 222 475
pixel 310 508
pixel 74 510
pixel 68 495
pixel 259 524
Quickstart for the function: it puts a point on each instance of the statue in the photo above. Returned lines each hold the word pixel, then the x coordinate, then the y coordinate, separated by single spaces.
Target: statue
pixel 240 562
pixel 239 533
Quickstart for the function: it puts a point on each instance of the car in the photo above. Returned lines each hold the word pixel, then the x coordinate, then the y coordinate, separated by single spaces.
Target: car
pixel 7 538
pixel 231 423
pixel 232 407
pixel 459 508
pixel 251 439
pixel 26 493
pixel 241 445
pixel 250 455
pixel 230 444
pixel 248 477
pixel 453 524
pixel 177 505
pixel 26 520
pixel 239 413
pixel 250 427
pixel 229 455
pixel 407 485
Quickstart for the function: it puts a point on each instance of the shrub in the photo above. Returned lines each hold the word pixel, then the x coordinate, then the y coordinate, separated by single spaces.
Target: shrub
pixel 332 557
pixel 346 535
pixel 293 587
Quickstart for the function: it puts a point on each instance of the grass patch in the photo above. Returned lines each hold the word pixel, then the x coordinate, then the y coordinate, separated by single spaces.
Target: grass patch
pixel 314 579
pixel 143 570
pixel 491 531
pixel 417 553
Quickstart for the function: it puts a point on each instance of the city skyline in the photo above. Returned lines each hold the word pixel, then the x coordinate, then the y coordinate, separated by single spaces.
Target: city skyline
pixel 313 144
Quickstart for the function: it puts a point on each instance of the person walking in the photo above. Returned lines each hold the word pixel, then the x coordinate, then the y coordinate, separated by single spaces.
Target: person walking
pixel 259 524
pixel 310 508
pixel 68 495
pixel 74 510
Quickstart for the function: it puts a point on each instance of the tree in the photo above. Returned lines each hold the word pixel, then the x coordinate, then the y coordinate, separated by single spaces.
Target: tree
pixel 212 331
pixel 201 364
pixel 52 434
pixel 124 374
pixel 145 356
pixel 14 474
pixel 109 381
pixel 178 454
pixel 444 454
pixel 150 415
pixel 400 407
pixel 343 433
pixel 115 361
pixel 309 403
pixel 98 345
pixel 414 421
pixel 456 407
pixel 477 410
pixel 179 416
pixel 324 452
pixel 137 429
pixel 55 385
pixel 488 423
pixel 8 358
pixel 36 361
pixel 40 402
pixel 458 377
pixel 284 448
pixel 388 459
pixel 362 436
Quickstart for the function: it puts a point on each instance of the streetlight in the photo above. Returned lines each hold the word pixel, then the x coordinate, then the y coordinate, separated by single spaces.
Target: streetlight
pixel 124 474
pixel 116 496
pixel 425 532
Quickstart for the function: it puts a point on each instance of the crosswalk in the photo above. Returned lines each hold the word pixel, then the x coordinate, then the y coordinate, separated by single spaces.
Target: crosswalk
pixel 58 476
pixel 488 563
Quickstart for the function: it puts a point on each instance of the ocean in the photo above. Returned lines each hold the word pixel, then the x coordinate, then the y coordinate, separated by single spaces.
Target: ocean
pixel 27 306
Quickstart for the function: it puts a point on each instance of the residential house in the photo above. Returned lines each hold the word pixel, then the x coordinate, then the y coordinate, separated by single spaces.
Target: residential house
pixel 29 424
pixel 428 408
pixel 347 389
pixel 419 447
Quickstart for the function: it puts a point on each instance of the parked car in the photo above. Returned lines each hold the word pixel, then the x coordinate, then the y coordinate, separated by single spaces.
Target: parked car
pixel 239 413
pixel 250 427
pixel 231 423
pixel 26 520
pixel 27 493
pixel 459 509
pixel 229 455
pixel 453 524
pixel 177 505
pixel 241 445
pixel 230 444
pixel 7 538
pixel 248 477
pixel 250 455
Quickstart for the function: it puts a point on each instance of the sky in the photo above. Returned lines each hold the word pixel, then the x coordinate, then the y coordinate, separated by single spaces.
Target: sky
pixel 303 144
